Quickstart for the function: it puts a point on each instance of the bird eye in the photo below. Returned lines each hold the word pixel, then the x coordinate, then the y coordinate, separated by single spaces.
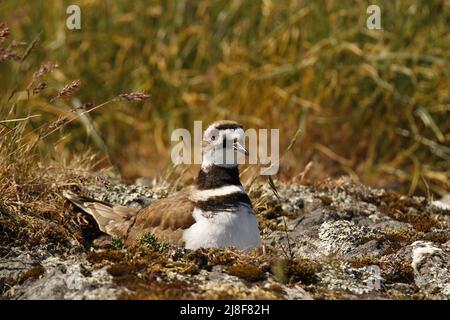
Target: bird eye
pixel 213 138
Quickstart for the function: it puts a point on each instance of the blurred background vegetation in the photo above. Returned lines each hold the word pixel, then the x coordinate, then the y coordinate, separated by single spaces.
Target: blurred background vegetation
pixel 373 104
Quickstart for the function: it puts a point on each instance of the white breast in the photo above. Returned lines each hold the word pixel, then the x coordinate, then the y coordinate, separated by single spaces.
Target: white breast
pixel 237 229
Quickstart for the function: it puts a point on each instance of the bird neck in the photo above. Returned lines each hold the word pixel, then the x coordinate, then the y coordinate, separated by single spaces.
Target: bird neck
pixel 214 176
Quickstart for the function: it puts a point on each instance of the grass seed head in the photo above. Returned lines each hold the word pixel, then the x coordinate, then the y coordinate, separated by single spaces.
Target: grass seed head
pixel 68 90
pixel 134 96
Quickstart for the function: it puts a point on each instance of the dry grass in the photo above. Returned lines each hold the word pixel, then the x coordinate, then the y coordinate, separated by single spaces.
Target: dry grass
pixel 32 209
pixel 372 104
pixel 34 167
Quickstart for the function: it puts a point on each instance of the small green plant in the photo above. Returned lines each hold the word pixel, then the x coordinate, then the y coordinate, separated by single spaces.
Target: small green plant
pixel 116 243
pixel 149 239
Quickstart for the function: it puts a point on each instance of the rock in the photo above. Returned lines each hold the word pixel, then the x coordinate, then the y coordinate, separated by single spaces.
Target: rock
pixel 340 237
pixel 393 225
pixel 64 281
pixel 296 292
pixel 219 285
pixel 364 243
pixel 71 277
pixel 443 203
pixel 341 276
pixel 422 263
pixel 314 218
pixel 431 266
pixel 372 249
pixel 136 196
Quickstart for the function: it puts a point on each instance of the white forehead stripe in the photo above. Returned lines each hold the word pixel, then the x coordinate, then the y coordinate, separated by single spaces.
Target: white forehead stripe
pixel 203 195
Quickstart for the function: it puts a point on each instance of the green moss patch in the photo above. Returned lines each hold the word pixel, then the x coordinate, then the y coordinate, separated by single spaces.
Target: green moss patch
pixel 152 241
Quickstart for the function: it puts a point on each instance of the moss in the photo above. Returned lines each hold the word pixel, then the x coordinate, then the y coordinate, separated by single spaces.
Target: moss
pixel 326 200
pixel 398 295
pixel 323 293
pixel 153 242
pixel 29 229
pixel 224 257
pixel 121 269
pixel 304 271
pixel 248 272
pixel 54 234
pixel 437 236
pixel 153 289
pixel 421 223
pixel 129 281
pixel 5 284
pixel 199 258
pixel 102 256
pixel 401 236
pixel 273 212
pixel 138 269
pixel 190 268
pixel 398 271
pixel 32 273
pixel 363 261
pixel 276 290
pixel 300 270
pixel 138 265
pixel 407 210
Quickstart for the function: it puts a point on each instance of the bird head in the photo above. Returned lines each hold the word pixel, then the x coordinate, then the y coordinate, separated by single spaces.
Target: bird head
pixel 223 144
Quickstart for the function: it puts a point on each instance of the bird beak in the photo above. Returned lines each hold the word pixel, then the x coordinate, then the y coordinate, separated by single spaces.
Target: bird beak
pixel 238 147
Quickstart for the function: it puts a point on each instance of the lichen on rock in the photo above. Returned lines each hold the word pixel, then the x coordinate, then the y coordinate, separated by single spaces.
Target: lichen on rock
pixel 334 240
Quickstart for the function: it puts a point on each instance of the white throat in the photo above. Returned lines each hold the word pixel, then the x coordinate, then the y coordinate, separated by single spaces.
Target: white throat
pixel 212 157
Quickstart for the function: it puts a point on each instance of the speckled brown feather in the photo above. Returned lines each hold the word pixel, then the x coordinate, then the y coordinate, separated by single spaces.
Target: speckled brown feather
pixel 166 218
pixel 111 219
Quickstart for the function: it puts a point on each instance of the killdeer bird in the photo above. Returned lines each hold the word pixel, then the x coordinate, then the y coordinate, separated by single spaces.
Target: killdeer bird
pixel 214 212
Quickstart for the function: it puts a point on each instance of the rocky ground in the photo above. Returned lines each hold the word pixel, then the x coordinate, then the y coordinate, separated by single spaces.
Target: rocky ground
pixel 336 240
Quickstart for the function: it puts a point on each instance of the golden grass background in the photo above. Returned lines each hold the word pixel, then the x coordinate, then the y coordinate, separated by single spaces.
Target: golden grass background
pixel 371 104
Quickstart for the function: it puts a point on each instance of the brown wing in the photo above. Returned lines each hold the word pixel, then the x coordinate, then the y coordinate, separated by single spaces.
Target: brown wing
pixel 114 220
pixel 165 218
